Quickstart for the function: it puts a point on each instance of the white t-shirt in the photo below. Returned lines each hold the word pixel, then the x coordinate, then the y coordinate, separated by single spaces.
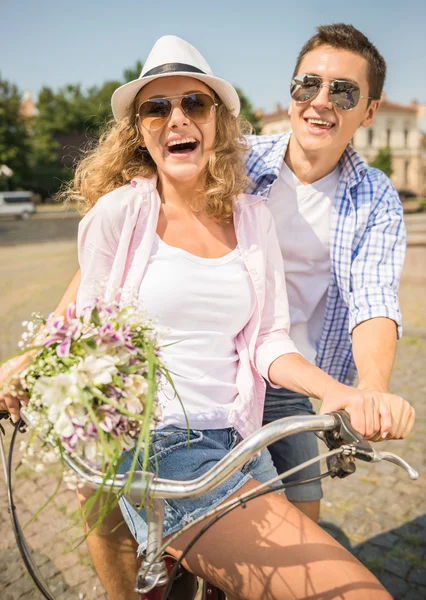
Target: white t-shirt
pixel 302 218
pixel 201 305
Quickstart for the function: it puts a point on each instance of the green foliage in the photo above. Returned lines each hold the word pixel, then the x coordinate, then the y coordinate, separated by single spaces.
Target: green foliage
pixel 41 149
pixel 248 112
pixel 383 161
pixel 133 72
pixel 14 137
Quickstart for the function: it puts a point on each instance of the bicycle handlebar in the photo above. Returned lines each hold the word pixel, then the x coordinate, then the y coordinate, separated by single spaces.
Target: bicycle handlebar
pixel 145 484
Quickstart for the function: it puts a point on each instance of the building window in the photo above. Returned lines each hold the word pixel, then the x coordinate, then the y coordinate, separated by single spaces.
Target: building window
pixel 388 137
pixel 406 165
pixel 406 138
pixel 370 134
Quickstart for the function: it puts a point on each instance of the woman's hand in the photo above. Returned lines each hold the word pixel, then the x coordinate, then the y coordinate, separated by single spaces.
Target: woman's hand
pixel 11 393
pixel 375 415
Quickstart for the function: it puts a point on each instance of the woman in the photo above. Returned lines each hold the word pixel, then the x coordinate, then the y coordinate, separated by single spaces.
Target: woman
pixel 204 259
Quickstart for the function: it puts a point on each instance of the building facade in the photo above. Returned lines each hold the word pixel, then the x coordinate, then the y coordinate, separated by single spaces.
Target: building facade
pixel 401 128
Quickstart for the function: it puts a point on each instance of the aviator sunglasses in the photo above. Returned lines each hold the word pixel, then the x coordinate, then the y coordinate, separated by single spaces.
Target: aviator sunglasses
pixel 198 107
pixel 345 95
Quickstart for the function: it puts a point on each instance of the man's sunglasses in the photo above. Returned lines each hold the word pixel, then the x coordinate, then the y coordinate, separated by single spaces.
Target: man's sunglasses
pixel 345 95
pixel 154 113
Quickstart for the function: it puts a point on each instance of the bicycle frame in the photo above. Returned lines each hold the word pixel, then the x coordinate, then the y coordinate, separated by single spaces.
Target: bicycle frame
pixel 154 571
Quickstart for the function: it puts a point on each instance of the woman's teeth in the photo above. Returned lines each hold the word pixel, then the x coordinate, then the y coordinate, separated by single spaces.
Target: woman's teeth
pixel 182 144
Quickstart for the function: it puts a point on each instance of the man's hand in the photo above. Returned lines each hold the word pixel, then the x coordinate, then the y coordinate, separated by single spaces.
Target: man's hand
pixel 375 415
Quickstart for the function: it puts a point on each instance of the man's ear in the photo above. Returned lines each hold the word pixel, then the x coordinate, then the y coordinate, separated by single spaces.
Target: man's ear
pixel 371 111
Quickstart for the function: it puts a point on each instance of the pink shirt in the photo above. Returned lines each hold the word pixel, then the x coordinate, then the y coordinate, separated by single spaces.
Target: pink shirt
pixel 114 245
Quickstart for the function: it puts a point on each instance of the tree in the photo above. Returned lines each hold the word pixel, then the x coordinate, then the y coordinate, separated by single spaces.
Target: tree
pixel 248 112
pixel 383 161
pixel 41 149
pixel 133 72
pixel 13 137
pixel 67 120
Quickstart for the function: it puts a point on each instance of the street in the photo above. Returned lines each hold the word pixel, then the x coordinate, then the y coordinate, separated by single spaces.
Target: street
pixel 377 512
pixel 39 228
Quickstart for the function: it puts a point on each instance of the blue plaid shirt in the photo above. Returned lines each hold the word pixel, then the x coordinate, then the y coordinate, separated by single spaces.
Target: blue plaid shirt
pixel 367 248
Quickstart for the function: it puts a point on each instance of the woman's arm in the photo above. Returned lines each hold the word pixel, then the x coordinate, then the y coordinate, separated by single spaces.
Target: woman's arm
pixel 70 295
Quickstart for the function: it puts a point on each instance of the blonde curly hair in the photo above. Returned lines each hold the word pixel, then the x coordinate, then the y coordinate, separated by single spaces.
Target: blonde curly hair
pixel 118 157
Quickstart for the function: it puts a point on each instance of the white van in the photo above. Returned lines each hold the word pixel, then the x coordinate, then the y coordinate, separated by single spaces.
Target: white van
pixel 17 204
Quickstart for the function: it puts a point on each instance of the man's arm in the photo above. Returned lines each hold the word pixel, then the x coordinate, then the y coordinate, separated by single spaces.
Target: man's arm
pixel 374 314
pixel 374 347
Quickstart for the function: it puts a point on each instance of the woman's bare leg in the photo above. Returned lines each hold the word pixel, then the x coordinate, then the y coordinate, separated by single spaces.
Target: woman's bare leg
pixel 112 549
pixel 271 551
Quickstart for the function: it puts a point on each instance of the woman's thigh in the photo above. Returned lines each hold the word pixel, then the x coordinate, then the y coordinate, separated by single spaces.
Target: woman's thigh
pixel 269 550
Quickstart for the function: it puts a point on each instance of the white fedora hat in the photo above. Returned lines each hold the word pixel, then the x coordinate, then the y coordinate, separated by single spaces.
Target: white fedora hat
pixel 173 56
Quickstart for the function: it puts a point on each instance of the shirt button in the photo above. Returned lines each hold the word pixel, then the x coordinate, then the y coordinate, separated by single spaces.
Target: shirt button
pixel 253 272
pixel 253 247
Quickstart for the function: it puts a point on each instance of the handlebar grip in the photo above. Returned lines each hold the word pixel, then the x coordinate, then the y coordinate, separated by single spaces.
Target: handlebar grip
pixel 346 434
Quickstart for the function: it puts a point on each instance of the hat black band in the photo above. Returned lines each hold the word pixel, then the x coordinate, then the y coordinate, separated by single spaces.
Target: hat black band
pixel 172 68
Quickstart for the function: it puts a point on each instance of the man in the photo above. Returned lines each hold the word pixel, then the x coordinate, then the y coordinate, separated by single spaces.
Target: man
pixel 341 231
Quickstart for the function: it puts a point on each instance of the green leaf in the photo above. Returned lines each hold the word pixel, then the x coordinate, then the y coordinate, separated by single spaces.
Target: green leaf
pixel 94 317
pixel 132 369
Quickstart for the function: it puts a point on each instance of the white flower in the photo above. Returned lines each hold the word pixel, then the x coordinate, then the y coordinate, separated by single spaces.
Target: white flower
pixel 60 389
pixel 136 385
pixel 63 425
pixel 90 450
pixel 134 405
pixel 97 371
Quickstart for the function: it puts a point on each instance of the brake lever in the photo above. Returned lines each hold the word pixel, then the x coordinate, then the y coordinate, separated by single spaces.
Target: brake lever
pixel 396 460
pixel 345 435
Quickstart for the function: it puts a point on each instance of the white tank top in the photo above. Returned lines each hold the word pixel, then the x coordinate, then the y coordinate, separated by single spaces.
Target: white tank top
pixel 201 305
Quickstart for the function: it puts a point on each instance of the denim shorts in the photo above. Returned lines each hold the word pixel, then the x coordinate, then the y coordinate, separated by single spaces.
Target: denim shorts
pixel 171 458
pixel 294 450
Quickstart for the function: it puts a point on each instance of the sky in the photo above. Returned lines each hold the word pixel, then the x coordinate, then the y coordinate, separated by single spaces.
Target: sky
pixel 252 44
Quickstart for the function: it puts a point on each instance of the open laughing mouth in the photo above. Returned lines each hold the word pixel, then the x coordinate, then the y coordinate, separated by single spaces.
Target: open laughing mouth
pixel 319 124
pixel 183 146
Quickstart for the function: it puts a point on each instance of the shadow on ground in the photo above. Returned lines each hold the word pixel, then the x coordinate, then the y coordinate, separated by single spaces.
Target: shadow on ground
pixel 396 557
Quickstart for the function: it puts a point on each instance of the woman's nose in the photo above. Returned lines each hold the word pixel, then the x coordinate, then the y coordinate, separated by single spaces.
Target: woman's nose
pixel 177 117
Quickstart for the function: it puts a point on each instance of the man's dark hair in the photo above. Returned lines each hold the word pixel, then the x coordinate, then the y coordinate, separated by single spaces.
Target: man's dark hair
pixel 346 37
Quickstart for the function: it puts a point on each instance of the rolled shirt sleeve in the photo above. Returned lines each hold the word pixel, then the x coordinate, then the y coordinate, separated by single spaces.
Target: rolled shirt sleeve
pixel 379 258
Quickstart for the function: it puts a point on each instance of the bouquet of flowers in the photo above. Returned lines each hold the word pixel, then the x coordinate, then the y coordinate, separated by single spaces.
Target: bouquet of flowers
pixel 92 385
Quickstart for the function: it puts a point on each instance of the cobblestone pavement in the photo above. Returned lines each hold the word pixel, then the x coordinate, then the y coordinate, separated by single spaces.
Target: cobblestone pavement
pixel 377 512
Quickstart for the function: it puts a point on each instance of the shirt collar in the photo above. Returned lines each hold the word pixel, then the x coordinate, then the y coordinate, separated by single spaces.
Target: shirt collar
pixel 353 167
pixel 268 158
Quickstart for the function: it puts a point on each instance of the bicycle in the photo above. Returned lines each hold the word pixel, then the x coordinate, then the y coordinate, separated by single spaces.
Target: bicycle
pixel 157 573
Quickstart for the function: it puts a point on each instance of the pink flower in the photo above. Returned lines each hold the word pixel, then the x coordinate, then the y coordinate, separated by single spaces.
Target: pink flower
pixel 63 350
